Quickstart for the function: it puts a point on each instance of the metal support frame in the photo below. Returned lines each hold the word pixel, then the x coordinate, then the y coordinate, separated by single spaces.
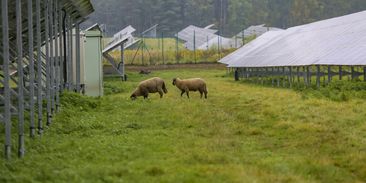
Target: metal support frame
pixel 56 64
pixel 275 75
pixel 52 57
pixel 21 148
pixel 48 64
pixel 340 73
pixel 70 62
pixel 121 65
pixel 77 40
pixel 6 61
pixel 318 76
pixel 39 68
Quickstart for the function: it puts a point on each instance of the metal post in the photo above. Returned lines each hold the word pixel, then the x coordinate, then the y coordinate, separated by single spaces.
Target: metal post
pixel 243 37
pixel 278 78
pixel 218 46
pixel 162 47
pixel 65 51
pixel 207 47
pixel 305 76
pixel 52 57
pixel 48 64
pixel 194 46
pixel 39 67
pixel 273 74
pixel 298 74
pixel 308 74
pixel 6 117
pixel 340 73
pixel 142 50
pixel 364 74
pixel 57 56
pixel 31 66
pixel 123 62
pixel 177 48
pixel 329 74
pixel 77 40
pixel 20 79
pixel 71 61
pixel 353 76
pixel 62 53
pixel 284 75
pixel 290 78
pixel 318 76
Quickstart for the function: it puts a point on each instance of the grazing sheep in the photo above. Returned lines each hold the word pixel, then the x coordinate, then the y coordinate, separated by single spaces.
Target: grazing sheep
pixel 186 85
pixel 152 85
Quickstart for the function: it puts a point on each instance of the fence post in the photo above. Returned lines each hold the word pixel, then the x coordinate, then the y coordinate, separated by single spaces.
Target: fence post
pixel 177 48
pixel 162 47
pixel 194 46
pixel 142 49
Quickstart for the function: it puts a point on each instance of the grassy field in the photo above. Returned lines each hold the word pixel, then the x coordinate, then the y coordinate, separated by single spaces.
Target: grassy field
pixel 154 53
pixel 242 133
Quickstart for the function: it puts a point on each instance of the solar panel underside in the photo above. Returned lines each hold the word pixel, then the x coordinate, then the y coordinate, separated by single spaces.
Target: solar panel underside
pixel 337 41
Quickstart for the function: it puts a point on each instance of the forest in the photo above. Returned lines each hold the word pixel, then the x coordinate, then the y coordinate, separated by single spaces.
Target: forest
pixel 229 16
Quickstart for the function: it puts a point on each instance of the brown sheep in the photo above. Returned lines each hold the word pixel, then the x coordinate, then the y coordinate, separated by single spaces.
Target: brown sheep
pixel 152 85
pixel 186 85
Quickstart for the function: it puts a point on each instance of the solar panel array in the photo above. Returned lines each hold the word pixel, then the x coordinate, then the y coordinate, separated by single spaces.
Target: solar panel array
pixel 257 30
pixel 337 41
pixel 201 36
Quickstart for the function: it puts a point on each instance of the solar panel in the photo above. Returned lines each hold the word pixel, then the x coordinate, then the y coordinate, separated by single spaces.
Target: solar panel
pixel 125 35
pixel 201 36
pixel 257 30
pixel 337 41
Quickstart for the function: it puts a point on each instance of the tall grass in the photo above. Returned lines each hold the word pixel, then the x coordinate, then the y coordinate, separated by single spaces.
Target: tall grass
pixel 241 133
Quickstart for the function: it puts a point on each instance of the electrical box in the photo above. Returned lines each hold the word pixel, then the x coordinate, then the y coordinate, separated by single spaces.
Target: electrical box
pixel 93 68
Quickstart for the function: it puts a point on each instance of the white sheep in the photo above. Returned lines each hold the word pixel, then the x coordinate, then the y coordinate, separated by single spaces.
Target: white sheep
pixel 152 85
pixel 195 84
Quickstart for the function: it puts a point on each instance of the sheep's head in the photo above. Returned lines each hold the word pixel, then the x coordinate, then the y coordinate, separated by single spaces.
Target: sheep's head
pixel 174 81
pixel 133 96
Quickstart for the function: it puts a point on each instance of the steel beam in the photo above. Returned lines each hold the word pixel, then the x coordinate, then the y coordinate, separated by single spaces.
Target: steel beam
pixel 6 61
pixel 31 69
pixel 21 148
pixel 39 67
pixel 48 63
pixel 57 57
pixel 77 40
pixel 70 63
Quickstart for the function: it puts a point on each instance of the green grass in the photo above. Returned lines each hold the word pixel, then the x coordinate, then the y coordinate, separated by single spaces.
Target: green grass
pixel 242 133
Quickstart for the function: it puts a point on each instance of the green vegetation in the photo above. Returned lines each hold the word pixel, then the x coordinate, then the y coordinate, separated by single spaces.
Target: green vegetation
pixel 154 53
pixel 242 133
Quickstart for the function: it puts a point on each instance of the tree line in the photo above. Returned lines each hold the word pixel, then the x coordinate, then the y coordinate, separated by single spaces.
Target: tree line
pixel 229 16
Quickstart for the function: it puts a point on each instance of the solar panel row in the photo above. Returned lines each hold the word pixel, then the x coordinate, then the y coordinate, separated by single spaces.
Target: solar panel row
pixel 337 41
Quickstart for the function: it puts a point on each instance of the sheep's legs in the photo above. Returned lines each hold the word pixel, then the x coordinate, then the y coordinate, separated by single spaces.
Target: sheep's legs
pixel 161 94
pixel 182 93
pixel 187 94
pixel 201 94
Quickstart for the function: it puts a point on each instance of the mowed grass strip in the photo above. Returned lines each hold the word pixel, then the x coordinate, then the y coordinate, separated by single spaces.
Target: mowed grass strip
pixel 242 133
